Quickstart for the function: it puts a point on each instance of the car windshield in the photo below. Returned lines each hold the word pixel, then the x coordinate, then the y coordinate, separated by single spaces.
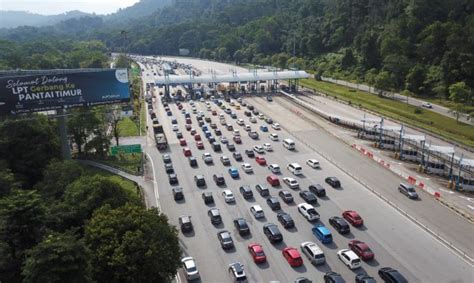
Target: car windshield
pixel 192 269
pixel 410 189
pixel 259 254
pixel 357 217
pixel 312 211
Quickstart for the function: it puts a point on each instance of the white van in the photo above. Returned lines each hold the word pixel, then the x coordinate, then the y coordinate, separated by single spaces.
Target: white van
pixel 295 168
pixel 289 144
pixel 313 252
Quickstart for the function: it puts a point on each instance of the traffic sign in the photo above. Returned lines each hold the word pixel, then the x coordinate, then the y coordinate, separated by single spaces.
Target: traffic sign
pixel 126 149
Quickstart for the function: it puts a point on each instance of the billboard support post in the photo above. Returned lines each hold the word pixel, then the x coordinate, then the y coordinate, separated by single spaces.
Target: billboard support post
pixel 62 124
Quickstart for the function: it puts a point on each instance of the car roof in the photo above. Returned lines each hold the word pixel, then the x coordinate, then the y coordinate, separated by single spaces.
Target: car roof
pixel 323 229
pixel 292 252
pixel 257 207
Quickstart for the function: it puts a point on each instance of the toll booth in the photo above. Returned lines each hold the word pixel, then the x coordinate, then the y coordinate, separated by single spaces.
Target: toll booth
pixel 462 178
pixel 436 158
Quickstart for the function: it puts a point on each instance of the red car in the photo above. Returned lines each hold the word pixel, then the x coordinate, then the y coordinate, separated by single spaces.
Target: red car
pixel 273 180
pixel 261 160
pixel 361 249
pixel 256 251
pixel 353 218
pixel 188 127
pixel 200 145
pixel 187 151
pixel 292 256
pixel 197 137
pixel 180 106
pixel 237 140
pixel 188 121
pixel 182 142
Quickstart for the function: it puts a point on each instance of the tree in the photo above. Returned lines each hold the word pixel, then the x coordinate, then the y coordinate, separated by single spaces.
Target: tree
pixel 115 116
pixel 81 125
pixel 131 243
pixel 122 62
pixel 383 81
pixel 415 79
pixel 57 176
pixel 58 258
pixel 7 180
pixel 348 59
pixel 461 94
pixel 238 56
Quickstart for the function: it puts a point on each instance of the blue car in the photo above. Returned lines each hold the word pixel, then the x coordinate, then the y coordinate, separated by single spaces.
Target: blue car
pixel 264 128
pixel 169 113
pixel 234 173
pixel 322 233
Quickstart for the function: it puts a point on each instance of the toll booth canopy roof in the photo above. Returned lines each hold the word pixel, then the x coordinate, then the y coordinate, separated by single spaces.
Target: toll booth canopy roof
pixel 417 138
pixel 441 149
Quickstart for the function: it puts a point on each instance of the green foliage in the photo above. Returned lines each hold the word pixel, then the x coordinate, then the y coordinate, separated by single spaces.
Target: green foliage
pixel 57 176
pixel 132 244
pixel 58 258
pixel 122 62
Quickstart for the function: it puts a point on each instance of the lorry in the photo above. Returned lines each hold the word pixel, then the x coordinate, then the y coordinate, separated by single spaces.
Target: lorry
pixel 157 129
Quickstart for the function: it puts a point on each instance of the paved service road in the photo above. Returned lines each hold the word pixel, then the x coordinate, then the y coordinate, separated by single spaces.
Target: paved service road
pixel 396 241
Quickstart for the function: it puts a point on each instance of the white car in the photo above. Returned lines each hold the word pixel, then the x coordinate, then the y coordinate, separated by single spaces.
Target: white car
pixel 175 128
pixel 236 133
pixel 190 268
pixel 273 137
pixel 259 149
pixel 224 140
pixel 257 211
pixel 427 105
pixel 253 119
pixel 276 126
pixel 247 128
pixel 313 163
pixel 291 182
pixel 349 258
pixel 295 168
pixel 207 157
pixel 267 147
pixel 247 168
pixel 260 116
pixel 240 122
pixel 275 168
pixel 308 211
pixel 236 269
pixel 194 109
pixel 228 196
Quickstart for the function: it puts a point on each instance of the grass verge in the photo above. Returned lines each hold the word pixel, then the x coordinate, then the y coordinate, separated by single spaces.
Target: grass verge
pixel 428 120
pixel 128 128
pixel 125 162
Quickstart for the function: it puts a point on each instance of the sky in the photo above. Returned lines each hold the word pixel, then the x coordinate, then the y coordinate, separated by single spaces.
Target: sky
pixel 53 7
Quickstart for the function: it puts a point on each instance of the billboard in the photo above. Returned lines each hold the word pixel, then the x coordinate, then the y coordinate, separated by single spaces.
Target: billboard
pixel 43 92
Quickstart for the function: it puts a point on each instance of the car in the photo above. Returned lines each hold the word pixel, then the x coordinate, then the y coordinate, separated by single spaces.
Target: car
pixel 333 182
pixel 269 120
pixel 353 217
pixel 273 137
pixel 427 105
pixel 247 128
pixel 285 220
pixel 185 223
pixel 302 280
pixel 276 126
pixel 361 249
pixel 207 197
pixel 313 163
pixel 172 178
pixel 231 147
pixel 261 116
pixel 215 216
pixel 175 128
pixel 233 172
pixel 169 113
pixel 225 160
pixel 274 203
pixel 237 156
pixel 313 252
pixel 187 151
pixel 247 168
pixel 259 149
pixel 246 192
pixel 333 277
pixel 267 147
pixel 207 157
pixel 225 239
pixel 390 275
pixel 218 179
pixel 174 121
pixel 285 196
pixel 188 127
pixel 257 253
pixel 272 232
pixel 218 132
pixel 207 119
pixel 213 126
pixel 240 122
pixel 349 258
pixel 228 196
pixel 192 161
pixel 253 135
pixel 166 158
pixel 273 180
pixel 224 140
pixel 339 224
pixel 179 135
pixel 308 197
pixel 211 140
pixel 295 168
pixel 262 190
pixel 257 211
pixel 177 193
pixel 200 181
pixel 242 226
pixel 237 271
pixel 318 190
pixel 193 132
pixel 308 212
pixel 169 168
pixel 214 113
pixel 291 183
pixel 229 127
pixel 275 168
pixel 253 119
pixel 263 128
pixel 364 278
pixel 292 256
pixel 261 160
pixel 408 190
pixel 190 268
pixel 197 137
pixel 237 139
pixel 249 153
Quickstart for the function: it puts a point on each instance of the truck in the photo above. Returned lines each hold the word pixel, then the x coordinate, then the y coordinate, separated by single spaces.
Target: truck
pixel 161 142
pixel 157 129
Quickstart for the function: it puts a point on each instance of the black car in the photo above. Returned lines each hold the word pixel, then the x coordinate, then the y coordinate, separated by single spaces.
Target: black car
pixel 364 278
pixel 247 113
pixel 200 123
pixel 200 181
pixel 172 178
pixel 179 135
pixel 178 193
pixel 246 192
pixel 237 156
pixel 192 161
pixel 213 126
pixel 215 216
pixel 262 190
pixel 274 203
pixel 333 277
pixel 207 119
pixel 231 147
pixel 218 179
pixel 272 232
pixel 225 239
pixel 250 153
pixel 241 226
pixel 207 197
pixel 318 190
pixel 339 224
pixel 225 160
pixel 169 168
pixel 269 121
pixel 166 158
pixel 185 223
pixel 308 197
pixel 390 275
pixel 286 196
pixel 303 280
pixel 333 182
pixel 218 132
pixel 285 220
pixel 212 140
